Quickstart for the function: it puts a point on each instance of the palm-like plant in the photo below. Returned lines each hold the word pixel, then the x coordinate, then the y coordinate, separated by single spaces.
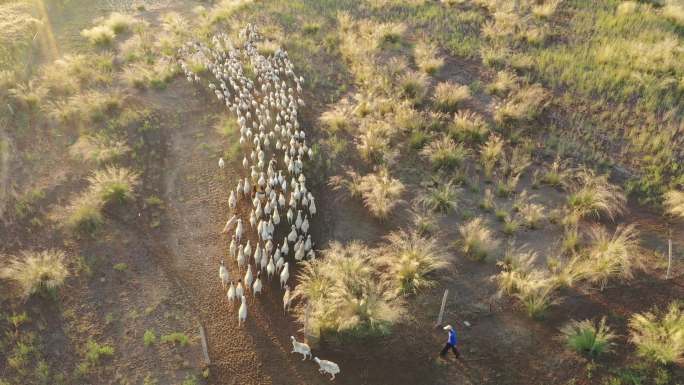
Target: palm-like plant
pixel 587 337
pixel 410 259
pixel 442 198
pixel 477 239
pixel 659 337
pixel 611 255
pixel 594 195
pixel 35 271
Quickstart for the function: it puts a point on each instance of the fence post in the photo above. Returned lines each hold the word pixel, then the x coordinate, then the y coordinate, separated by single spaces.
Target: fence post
pixel 669 258
pixel 441 310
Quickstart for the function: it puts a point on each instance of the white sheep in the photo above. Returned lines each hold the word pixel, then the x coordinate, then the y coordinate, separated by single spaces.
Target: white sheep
pixel 231 292
pixel 329 367
pixel 221 163
pixel 242 313
pixel 248 277
pixel 229 224
pixel 239 289
pixel 223 274
pixel 301 348
pixel 287 299
pixel 257 284
pixel 285 274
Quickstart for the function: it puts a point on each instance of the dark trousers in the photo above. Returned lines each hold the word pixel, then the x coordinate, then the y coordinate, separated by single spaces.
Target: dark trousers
pixel 453 349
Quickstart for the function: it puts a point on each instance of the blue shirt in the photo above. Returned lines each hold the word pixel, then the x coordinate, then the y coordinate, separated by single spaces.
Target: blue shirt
pixel 452 337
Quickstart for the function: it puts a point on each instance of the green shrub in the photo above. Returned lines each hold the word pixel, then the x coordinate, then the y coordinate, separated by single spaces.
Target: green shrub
pixel 587 337
pixel 175 338
pixel 149 338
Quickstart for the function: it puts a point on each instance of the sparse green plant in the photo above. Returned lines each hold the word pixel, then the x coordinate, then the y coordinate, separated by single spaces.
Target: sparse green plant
pixel 96 352
pixel 34 271
pixel 449 96
pixel 477 239
pixel 442 198
pixel 149 338
pixel 659 337
pixel 588 338
pixel 410 259
pixel 120 267
pixel 175 338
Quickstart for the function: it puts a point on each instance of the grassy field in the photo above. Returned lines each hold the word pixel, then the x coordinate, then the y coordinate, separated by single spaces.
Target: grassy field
pixel 525 155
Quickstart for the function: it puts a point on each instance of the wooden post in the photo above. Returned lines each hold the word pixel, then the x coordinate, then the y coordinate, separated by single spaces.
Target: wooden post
pixel 441 310
pixel 205 349
pixel 669 258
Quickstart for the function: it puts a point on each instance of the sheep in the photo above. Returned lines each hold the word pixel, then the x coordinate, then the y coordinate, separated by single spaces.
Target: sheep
pixel 232 200
pixel 292 236
pixel 242 313
pixel 305 225
pixel 287 299
pixel 240 257
pixel 301 348
pixel 329 367
pixel 223 274
pixel 229 224
pixel 256 287
pixel 298 221
pixel 248 277
pixel 231 292
pixel 239 289
pixel 221 163
pixel 285 274
pixel 239 230
pixel 232 248
pixel 270 268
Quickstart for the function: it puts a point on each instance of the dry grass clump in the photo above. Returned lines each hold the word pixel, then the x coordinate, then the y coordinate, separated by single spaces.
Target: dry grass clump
pixel 592 194
pixel 505 82
pixel 478 239
pixel 346 293
pixel 373 143
pixel 107 29
pixel 532 214
pixel 114 184
pixel 545 9
pixel 442 198
pixel 34 271
pixel 409 119
pixel 98 149
pixel 444 153
pixel 224 9
pixel 524 105
pixel 413 86
pixel 674 202
pixel 588 338
pixel 71 73
pixel 490 154
pixel 136 75
pixel 556 175
pixel 389 32
pixel 410 259
pixel 468 126
pixel 537 296
pixel 18 27
pixel 380 192
pixel 28 95
pixel 674 12
pixel 335 120
pixel 516 268
pixel 89 106
pixel 659 337
pixel 449 96
pixel 609 256
pixel 427 57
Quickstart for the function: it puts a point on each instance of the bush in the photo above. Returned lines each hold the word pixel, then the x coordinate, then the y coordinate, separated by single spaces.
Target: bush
pixel 659 337
pixel 612 256
pixel 478 240
pixel 525 105
pixel 444 153
pixel 410 259
pixel 380 192
pixel 427 57
pixel 594 195
pixel 95 352
pixel 468 126
pixel 448 96
pixel 345 293
pixel 114 185
pixel 35 271
pixel 588 338
pixel 413 86
pixel 442 198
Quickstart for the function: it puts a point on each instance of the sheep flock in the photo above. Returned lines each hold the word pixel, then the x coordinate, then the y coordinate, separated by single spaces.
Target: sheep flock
pixel 264 95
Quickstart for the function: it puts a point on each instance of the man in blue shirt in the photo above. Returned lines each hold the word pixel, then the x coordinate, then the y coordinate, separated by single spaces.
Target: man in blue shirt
pixel 451 342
